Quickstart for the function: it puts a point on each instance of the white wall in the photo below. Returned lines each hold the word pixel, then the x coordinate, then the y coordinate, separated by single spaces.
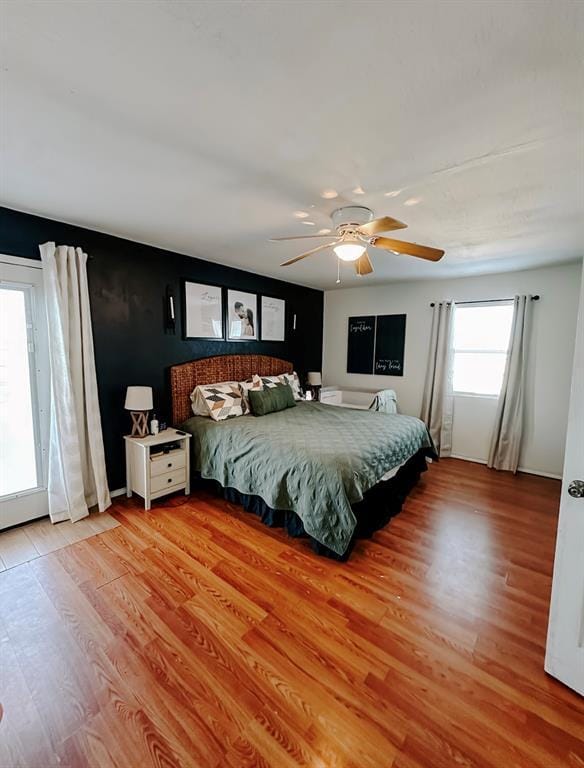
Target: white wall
pixel 550 356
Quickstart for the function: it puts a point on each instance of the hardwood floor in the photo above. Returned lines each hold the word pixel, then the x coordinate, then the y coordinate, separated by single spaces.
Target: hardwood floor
pixel 192 635
pixel 27 542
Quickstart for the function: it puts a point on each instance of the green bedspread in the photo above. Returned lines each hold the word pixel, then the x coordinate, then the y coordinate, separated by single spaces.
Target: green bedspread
pixel 314 459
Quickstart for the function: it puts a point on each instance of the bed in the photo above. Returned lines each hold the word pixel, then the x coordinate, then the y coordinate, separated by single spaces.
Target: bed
pixel 334 474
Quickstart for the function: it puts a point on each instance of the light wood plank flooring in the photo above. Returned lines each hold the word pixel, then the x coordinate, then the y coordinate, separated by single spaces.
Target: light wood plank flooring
pixel 26 542
pixel 192 635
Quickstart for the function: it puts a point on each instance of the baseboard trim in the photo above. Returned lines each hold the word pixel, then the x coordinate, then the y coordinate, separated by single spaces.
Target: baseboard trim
pixel 528 471
pixel 467 458
pixel 118 492
pixel 539 472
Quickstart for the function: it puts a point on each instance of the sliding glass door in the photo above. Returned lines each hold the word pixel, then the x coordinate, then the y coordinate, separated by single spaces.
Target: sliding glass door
pixel 24 392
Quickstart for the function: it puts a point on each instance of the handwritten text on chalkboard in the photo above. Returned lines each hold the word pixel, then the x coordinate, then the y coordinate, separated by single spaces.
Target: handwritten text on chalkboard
pixel 361 325
pixel 388 366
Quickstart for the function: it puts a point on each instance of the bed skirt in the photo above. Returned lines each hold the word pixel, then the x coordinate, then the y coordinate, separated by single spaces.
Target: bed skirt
pixel 374 511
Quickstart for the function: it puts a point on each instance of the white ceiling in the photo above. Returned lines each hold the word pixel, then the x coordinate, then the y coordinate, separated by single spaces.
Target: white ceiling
pixel 202 126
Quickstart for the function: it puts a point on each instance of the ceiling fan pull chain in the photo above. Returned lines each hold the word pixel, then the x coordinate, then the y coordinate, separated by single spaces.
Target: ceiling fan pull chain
pixel 338 271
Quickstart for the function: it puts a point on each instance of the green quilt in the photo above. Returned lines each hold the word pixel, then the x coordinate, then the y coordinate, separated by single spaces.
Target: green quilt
pixel 314 459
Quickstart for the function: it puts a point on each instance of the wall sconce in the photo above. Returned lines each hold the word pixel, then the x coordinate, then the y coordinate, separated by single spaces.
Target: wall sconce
pixel 170 311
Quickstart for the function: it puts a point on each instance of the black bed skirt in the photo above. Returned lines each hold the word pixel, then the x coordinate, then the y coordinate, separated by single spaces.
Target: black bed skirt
pixel 374 511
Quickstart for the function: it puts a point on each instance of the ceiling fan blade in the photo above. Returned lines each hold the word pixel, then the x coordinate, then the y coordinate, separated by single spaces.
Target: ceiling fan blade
pixel 299 237
pixel 411 249
pixel 363 265
pixel 308 253
pixel 384 224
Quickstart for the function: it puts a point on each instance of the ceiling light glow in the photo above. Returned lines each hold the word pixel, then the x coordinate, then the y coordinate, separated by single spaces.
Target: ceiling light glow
pixel 412 200
pixel 329 194
pixel 309 223
pixel 349 251
pixel 323 232
pixel 393 193
pixel 358 191
pixel 300 215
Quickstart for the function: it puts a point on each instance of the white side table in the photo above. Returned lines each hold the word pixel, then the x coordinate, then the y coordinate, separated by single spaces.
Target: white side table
pixel 151 473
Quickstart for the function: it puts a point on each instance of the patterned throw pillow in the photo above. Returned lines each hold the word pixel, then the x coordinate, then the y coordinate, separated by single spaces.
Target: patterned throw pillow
pixel 224 401
pixel 294 382
pixel 199 404
pixel 255 384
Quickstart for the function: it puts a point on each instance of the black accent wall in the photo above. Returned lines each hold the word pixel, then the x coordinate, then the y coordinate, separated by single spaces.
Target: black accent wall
pixel 128 283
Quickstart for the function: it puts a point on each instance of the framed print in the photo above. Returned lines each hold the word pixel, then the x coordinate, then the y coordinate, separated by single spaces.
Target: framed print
pixel 273 319
pixel 203 315
pixel 390 342
pixel 242 316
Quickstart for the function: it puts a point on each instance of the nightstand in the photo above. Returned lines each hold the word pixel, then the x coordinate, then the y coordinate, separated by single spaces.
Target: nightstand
pixel 150 471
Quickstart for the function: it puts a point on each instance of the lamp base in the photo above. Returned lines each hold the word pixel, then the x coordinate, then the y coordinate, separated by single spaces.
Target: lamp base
pixel 139 423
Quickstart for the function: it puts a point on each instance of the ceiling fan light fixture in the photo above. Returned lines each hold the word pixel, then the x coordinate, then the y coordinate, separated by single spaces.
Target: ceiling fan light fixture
pixel 349 251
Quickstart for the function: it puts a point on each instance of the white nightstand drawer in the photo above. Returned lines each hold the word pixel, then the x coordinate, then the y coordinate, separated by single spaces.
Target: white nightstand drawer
pixel 166 463
pixel 168 480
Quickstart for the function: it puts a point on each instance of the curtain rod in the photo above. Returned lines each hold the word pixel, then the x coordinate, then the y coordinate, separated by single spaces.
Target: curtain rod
pixel 486 301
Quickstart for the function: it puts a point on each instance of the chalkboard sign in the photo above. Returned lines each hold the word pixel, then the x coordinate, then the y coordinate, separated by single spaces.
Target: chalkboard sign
pixel 361 344
pixel 389 345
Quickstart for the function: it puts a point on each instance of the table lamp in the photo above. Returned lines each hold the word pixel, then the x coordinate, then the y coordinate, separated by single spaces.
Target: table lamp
pixel 139 403
pixel 314 379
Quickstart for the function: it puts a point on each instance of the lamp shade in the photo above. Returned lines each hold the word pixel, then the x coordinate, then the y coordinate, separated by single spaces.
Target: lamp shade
pixel 314 379
pixel 138 399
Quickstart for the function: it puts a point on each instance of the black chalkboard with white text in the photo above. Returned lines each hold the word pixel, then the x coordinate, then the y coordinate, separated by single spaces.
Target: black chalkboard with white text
pixel 361 344
pixel 389 345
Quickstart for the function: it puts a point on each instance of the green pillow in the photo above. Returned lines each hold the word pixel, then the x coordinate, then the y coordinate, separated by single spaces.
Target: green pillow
pixel 264 401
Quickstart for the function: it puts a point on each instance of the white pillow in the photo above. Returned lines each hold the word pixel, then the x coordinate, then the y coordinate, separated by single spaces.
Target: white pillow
pixel 269 382
pixel 294 382
pixel 198 402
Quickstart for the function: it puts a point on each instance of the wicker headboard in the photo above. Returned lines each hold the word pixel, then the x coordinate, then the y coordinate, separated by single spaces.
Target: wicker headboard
pixel 209 370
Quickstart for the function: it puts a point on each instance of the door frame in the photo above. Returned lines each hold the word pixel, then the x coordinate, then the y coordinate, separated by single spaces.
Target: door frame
pixel 35 499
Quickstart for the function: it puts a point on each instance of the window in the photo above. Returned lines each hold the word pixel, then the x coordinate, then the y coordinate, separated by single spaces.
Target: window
pixel 480 343
pixel 24 392
pixel 18 452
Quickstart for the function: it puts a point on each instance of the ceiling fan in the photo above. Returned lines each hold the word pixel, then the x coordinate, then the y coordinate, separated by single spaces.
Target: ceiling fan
pixel 355 230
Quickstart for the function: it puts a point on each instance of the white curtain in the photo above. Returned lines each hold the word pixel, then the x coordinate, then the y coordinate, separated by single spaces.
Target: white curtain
pixel 437 402
pixel 77 478
pixel 508 429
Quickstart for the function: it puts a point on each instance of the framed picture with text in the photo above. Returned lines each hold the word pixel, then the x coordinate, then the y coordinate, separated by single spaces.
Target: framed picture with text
pixel 273 319
pixel 203 311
